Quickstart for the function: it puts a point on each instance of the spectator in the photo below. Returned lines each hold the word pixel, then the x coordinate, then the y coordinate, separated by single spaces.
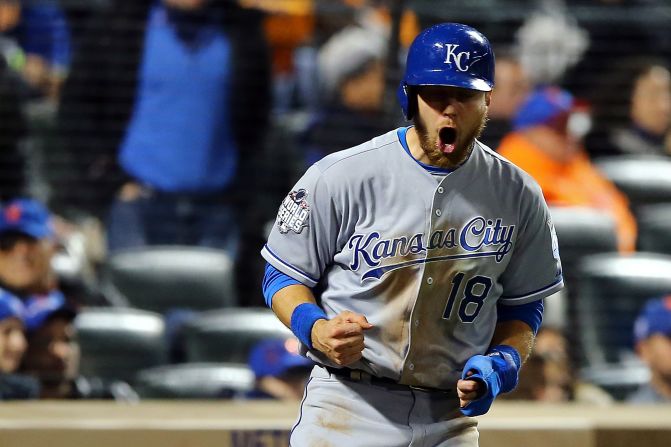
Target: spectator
pixel 296 29
pixel 548 375
pixel 542 144
pixel 618 30
pixel 512 86
pixel 549 43
pixel 41 43
pixel 652 334
pixel 280 371
pixel 12 347
pixel 633 109
pixel 30 249
pixel 177 92
pixel 351 71
pixel 53 354
pixel 27 246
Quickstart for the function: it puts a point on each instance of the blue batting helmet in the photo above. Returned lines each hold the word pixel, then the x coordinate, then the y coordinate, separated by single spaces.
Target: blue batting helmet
pixel 449 54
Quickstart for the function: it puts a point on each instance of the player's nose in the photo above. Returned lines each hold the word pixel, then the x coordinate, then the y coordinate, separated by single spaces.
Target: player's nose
pixel 450 106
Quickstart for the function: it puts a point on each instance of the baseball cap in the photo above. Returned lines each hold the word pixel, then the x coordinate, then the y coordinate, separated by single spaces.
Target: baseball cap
pixel 26 216
pixel 655 318
pixel 10 306
pixel 40 308
pixel 275 357
pixel 543 105
pixel 347 52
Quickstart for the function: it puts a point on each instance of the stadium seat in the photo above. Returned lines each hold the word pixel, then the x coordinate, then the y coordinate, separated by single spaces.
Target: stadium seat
pixel 644 179
pixel 581 232
pixel 116 342
pixel 618 380
pixel 194 381
pixel 612 290
pixel 163 278
pixel 654 229
pixel 228 335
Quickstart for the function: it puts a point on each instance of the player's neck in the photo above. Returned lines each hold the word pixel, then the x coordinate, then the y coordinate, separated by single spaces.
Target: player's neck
pixel 415 146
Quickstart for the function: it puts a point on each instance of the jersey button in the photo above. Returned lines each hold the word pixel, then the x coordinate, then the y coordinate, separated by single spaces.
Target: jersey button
pixel 411 367
pixel 429 280
pixel 440 190
pixel 416 322
pixel 438 213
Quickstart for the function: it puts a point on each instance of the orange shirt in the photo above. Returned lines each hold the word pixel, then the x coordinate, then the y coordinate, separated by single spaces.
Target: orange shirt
pixel 576 183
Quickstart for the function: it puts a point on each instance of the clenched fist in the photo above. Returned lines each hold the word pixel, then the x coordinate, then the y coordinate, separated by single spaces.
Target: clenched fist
pixel 341 338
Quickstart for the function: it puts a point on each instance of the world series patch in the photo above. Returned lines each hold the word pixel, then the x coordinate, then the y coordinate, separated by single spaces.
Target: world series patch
pixel 294 212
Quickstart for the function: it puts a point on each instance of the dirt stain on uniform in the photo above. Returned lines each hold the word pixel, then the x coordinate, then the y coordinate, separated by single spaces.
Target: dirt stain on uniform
pixel 337 420
pixel 400 289
pixel 320 443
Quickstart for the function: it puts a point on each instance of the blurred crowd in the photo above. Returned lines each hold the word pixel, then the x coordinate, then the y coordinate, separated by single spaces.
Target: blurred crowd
pixel 132 124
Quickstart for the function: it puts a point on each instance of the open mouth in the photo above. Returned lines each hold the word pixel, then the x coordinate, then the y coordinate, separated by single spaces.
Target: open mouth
pixel 447 139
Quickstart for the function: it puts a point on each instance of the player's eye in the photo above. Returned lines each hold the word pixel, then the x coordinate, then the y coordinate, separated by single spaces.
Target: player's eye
pixel 432 95
pixel 463 95
pixel 438 97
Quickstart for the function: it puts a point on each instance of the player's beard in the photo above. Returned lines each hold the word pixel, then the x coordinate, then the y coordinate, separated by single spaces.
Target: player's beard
pixel 463 144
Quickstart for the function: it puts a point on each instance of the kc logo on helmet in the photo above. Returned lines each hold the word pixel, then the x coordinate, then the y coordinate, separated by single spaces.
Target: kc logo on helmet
pixel 456 58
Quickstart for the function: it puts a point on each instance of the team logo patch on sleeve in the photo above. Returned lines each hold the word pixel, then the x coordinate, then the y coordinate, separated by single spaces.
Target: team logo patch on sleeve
pixel 553 236
pixel 555 247
pixel 294 212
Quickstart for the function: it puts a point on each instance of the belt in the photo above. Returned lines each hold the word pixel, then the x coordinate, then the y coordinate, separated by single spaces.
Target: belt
pixel 357 375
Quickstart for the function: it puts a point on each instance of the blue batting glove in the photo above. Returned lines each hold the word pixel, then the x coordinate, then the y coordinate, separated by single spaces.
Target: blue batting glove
pixel 497 372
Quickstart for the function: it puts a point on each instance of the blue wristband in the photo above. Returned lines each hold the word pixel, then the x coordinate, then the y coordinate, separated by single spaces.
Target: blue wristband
pixel 508 363
pixel 303 318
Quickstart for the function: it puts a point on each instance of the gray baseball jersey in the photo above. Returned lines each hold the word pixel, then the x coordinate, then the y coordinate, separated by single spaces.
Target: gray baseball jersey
pixel 425 258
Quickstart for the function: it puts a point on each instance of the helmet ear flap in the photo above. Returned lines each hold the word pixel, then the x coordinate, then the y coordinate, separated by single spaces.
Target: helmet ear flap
pixel 412 100
pixel 408 100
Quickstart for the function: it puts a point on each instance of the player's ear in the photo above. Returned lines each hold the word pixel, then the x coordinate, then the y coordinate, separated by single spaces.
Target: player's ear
pixel 488 98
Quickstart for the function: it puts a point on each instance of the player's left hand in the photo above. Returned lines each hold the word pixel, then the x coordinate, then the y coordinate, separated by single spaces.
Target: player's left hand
pixel 469 390
pixel 478 387
pixel 486 376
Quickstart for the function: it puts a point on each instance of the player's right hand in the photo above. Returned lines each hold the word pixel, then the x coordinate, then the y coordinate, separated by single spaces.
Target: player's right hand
pixel 341 338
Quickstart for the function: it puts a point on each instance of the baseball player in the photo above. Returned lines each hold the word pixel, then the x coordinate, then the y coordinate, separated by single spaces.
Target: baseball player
pixel 412 267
